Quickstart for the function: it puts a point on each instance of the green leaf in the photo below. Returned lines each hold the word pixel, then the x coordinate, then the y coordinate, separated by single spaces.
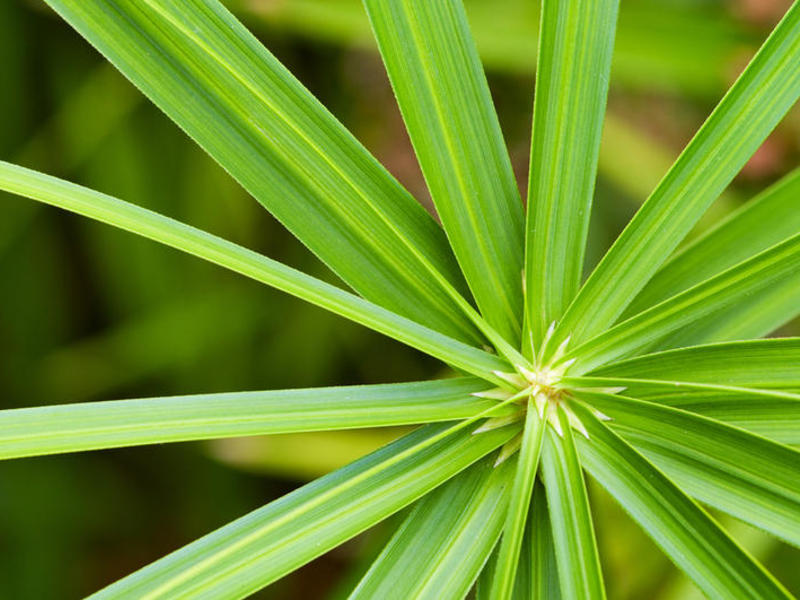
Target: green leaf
pixel 441 546
pixel 766 89
pixel 96 425
pixel 537 573
pixel 197 63
pixel 766 364
pixel 146 223
pixel 573 534
pixel 683 530
pixel 771 413
pixel 744 475
pixel 766 220
pixel 440 86
pixel 255 550
pixel 714 295
pixel 575 46
pixel 505 570
pixel 542 552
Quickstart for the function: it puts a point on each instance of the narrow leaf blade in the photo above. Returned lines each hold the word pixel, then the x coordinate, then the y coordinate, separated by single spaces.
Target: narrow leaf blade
pixel 439 549
pixel 440 86
pixel 197 63
pixel 154 226
pixel 253 551
pixel 764 92
pixel 683 530
pixel 96 425
pixel 571 521
pixel 520 500
pixel 764 364
pixel 575 46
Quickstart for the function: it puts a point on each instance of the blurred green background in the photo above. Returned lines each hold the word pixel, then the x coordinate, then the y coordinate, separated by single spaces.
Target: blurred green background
pixel 90 313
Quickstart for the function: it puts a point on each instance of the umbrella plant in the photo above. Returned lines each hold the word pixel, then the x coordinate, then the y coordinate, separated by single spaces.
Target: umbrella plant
pixel 648 375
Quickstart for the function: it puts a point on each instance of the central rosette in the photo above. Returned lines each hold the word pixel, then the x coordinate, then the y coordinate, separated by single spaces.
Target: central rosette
pixel 544 386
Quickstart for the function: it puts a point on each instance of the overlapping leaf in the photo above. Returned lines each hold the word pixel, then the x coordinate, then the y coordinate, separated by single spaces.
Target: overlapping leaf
pixel 441 546
pixel 211 76
pixel 437 77
pixel 241 260
pixel 766 89
pixel 737 472
pixel 253 551
pixel 691 538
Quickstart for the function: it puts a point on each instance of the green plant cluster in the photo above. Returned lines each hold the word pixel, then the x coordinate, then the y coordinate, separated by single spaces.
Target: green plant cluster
pixel 647 375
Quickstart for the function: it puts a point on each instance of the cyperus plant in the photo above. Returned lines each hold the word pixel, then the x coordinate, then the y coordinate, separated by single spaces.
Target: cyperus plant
pixel 632 375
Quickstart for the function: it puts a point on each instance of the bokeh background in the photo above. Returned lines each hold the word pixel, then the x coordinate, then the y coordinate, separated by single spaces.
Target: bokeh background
pixel 90 313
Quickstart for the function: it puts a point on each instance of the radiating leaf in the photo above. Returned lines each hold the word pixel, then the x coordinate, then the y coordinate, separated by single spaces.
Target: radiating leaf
pixel 683 530
pixel 96 425
pixel 773 414
pixel 441 546
pixel 253 551
pixel 197 63
pixel 575 44
pixel 766 220
pixel 766 89
pixel 157 227
pixel 537 575
pixel 571 521
pixel 719 293
pixel 440 86
pixel 742 474
pixel 767 364
pixel 508 557
pixel 542 553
